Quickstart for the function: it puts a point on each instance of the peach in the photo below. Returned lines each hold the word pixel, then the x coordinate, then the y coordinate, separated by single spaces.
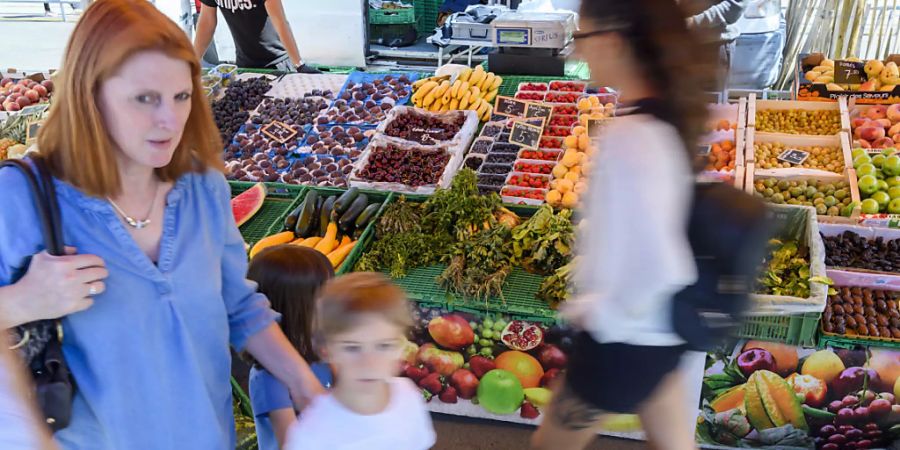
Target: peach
pixel 887 364
pixel 876 112
pixel 859 122
pixel 824 365
pixel 862 143
pixel 893 112
pixel 885 142
pixel 884 123
pixel 895 129
pixel 871 132
pixel 895 137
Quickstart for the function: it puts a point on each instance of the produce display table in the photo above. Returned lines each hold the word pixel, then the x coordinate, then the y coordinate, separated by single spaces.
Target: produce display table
pixel 487 272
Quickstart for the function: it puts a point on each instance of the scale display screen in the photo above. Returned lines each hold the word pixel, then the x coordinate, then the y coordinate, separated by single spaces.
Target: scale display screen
pixel 513 36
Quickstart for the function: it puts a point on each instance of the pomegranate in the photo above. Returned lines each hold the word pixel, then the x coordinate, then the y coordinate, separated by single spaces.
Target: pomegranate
pixel 522 336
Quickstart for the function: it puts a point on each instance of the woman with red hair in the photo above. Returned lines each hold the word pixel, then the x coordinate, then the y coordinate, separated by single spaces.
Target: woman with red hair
pixel 136 162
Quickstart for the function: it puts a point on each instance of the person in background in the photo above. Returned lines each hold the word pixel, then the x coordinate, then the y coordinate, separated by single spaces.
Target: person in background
pixel 137 165
pixel 20 428
pixel 361 321
pixel 715 23
pixel 636 256
pixel 262 36
pixel 289 276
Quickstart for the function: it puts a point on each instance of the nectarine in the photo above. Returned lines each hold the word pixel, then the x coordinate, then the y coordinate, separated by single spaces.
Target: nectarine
pixel 871 132
pixel 876 112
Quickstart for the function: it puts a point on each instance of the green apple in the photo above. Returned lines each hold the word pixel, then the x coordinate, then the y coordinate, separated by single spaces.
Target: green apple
pixel 883 186
pixel 868 184
pixel 893 181
pixel 889 151
pixel 856 152
pixel 878 160
pixel 870 206
pixel 866 169
pixel 891 166
pixel 500 392
pixel 894 206
pixel 882 198
pixel 862 159
pixel 894 192
pixel 847 211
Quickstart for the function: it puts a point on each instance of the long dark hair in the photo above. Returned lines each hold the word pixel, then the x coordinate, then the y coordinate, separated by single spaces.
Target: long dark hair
pixel 290 276
pixel 671 57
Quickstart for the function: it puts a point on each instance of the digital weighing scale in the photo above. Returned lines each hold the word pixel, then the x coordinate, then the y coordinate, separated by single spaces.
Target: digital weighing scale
pixel 530 43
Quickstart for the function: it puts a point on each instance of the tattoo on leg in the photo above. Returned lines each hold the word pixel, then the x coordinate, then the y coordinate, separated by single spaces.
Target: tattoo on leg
pixel 573 413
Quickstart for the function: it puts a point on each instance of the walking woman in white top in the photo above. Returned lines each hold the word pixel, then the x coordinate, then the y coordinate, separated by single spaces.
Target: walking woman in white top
pixel 635 251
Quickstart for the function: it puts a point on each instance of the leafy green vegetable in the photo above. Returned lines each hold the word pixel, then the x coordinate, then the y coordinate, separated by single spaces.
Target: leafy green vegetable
pixel 480 265
pixel 786 271
pixel 461 209
pixel 402 251
pixel 558 287
pixel 543 243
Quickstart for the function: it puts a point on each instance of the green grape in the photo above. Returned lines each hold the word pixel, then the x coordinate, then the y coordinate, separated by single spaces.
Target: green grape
pixel 499 326
pixel 488 334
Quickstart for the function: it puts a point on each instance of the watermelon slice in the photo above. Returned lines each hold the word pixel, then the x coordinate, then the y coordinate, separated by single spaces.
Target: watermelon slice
pixel 245 205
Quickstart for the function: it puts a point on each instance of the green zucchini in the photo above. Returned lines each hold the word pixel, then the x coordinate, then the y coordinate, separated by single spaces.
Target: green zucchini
pixel 356 209
pixel 367 216
pixel 290 222
pixel 342 204
pixel 307 215
pixel 325 214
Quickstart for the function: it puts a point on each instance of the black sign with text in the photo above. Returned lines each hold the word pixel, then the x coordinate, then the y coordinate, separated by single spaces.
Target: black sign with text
pixel 526 135
pixel 279 131
pixel 510 107
pixel 849 72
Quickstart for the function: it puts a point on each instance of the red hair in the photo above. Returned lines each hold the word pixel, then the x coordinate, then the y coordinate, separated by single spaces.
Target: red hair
pixel 74 137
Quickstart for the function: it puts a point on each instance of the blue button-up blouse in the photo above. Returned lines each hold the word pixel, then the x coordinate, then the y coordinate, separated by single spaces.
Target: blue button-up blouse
pixel 151 357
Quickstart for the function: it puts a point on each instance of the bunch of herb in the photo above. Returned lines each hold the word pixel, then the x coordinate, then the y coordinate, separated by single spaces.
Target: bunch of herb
pixel 543 243
pixel 462 210
pixel 480 265
pixel 558 287
pixel 401 216
pixel 403 251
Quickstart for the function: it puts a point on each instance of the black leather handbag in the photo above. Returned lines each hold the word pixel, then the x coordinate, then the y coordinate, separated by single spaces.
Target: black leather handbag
pixel 40 343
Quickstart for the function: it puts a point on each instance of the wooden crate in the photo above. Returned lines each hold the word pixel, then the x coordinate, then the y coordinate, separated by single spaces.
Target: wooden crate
pixel 839 140
pixel 849 176
pixel 754 105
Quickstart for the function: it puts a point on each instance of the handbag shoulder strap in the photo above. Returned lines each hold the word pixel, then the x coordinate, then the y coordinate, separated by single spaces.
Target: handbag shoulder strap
pixel 41 190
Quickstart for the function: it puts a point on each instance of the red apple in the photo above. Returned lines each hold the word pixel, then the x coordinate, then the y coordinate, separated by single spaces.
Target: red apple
pixel 551 357
pixel 852 380
pixel 451 331
pixel 756 359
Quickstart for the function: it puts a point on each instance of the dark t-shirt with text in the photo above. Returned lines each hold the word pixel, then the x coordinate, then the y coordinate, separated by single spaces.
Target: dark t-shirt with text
pixel 256 42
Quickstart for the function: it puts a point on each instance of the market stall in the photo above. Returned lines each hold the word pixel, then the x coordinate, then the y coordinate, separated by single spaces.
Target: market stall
pixel 463 187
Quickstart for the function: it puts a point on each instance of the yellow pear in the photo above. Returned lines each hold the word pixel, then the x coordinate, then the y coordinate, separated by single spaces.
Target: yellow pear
pixel 833 87
pixel 824 79
pixel 827 63
pixel 812 75
pixel 874 67
pixel 891 69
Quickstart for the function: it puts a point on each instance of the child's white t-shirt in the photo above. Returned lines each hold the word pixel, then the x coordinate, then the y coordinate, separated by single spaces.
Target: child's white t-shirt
pixel 404 425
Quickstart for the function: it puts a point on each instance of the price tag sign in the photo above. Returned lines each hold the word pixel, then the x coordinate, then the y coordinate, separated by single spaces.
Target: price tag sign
pixel 279 131
pixel 539 110
pixel 34 109
pixel 31 130
pixel 849 72
pixel 526 135
pixel 793 156
pixel 510 107
pixel 704 150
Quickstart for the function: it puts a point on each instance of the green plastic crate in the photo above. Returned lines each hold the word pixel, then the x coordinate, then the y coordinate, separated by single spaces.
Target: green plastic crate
pixel 795 329
pixel 364 239
pixel 392 16
pixel 518 300
pixel 280 200
pixel 426 15
pixel 829 340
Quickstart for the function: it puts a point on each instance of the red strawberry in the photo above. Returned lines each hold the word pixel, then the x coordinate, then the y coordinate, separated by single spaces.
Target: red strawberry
pixel 481 365
pixel 449 395
pixel 529 411
pixel 432 383
pixel 465 382
pixel 415 373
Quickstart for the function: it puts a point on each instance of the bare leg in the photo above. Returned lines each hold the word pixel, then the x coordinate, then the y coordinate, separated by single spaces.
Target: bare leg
pixel 662 416
pixel 569 422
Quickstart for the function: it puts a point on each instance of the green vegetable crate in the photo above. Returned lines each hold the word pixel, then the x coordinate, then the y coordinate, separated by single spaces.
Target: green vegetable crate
pixel 518 300
pixel 391 16
pixel 840 341
pixel 374 197
pixel 280 200
pixel 426 15
pixel 794 329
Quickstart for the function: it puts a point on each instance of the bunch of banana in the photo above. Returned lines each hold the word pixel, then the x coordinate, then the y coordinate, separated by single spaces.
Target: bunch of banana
pixel 474 89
